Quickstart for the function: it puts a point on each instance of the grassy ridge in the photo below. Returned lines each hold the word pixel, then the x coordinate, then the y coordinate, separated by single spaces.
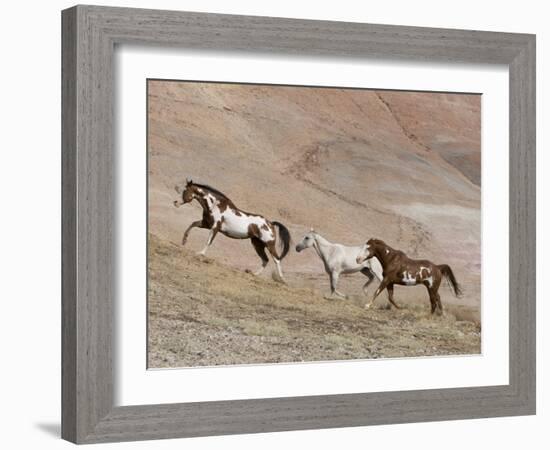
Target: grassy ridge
pixel 204 313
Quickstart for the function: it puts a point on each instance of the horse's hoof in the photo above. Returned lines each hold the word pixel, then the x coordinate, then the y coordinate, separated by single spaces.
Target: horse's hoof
pixel 276 277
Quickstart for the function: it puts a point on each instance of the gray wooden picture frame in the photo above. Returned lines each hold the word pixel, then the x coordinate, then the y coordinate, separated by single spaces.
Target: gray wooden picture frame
pixel 90 34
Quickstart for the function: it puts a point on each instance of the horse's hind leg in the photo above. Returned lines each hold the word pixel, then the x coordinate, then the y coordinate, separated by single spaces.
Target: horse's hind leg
pixel 437 297
pixel 259 246
pixel 271 248
pixel 436 305
pixel 435 301
pixel 368 273
pixel 390 296
pixel 439 305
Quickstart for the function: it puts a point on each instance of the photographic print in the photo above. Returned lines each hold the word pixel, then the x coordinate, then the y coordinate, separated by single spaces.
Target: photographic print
pixel 297 224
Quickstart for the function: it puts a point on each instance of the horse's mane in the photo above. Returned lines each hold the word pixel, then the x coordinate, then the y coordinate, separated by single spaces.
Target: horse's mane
pixel 211 189
pixel 383 244
pixel 391 249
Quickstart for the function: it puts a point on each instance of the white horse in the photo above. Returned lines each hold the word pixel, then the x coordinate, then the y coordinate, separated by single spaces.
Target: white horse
pixel 339 259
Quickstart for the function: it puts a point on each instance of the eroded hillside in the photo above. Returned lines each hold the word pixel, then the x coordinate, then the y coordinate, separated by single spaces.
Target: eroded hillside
pixel 354 164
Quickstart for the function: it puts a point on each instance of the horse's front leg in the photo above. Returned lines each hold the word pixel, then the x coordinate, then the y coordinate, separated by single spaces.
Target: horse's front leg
pixel 211 236
pixel 382 286
pixel 197 223
pixel 390 295
pixel 334 285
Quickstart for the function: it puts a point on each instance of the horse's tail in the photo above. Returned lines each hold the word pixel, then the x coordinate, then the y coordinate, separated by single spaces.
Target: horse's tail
pixel 448 273
pixel 284 236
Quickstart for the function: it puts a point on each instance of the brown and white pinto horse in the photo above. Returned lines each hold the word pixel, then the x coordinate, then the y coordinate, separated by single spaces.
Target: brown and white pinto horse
pixel 398 268
pixel 219 214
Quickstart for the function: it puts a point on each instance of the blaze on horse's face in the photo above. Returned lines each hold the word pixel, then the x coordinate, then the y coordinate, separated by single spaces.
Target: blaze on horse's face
pixel 187 195
pixel 366 252
pixel 307 242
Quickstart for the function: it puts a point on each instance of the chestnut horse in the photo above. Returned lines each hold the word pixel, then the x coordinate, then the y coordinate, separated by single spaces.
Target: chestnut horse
pixel 219 214
pixel 398 268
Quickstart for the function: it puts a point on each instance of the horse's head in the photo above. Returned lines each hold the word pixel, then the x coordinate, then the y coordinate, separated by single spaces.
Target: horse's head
pixel 187 194
pixel 367 251
pixel 307 241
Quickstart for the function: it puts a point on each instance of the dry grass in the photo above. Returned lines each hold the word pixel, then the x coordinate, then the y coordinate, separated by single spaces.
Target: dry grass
pixel 204 313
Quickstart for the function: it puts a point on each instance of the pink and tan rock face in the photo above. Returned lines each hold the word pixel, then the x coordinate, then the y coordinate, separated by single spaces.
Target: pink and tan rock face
pixel 354 164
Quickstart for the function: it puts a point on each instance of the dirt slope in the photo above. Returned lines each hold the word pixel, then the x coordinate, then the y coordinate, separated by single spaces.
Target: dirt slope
pixel 202 312
pixel 354 164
